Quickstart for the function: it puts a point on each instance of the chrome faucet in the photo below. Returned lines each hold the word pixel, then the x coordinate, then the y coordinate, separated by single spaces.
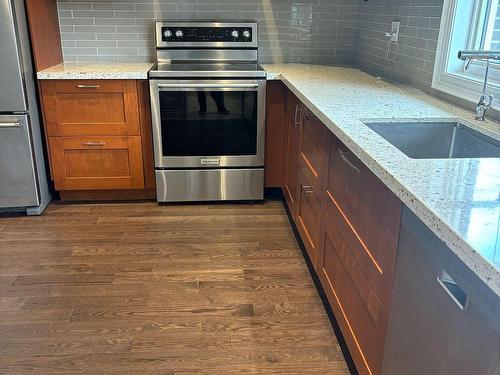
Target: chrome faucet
pixel 486 100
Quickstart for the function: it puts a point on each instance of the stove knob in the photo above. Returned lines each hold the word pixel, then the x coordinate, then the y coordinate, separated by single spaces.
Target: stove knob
pixel 167 33
pixel 246 34
pixel 179 33
pixel 235 34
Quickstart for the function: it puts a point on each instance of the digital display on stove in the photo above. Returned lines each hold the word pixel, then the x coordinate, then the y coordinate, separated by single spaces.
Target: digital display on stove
pixel 207 34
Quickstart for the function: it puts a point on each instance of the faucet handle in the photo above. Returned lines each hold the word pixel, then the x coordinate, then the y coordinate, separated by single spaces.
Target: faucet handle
pixel 487 100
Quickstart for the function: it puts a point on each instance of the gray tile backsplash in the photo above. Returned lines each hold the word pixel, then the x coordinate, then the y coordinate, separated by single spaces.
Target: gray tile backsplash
pixel 310 31
pixel 414 62
pixel 313 31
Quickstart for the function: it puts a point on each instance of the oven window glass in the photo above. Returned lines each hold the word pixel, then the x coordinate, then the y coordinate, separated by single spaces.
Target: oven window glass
pixel 208 123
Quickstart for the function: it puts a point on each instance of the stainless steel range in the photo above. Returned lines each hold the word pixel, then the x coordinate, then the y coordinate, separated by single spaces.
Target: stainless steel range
pixel 208 108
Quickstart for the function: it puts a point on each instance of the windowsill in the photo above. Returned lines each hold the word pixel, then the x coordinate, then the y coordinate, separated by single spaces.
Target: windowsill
pixel 468 87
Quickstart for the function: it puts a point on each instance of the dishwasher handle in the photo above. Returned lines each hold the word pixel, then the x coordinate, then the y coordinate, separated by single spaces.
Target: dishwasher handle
pixel 454 291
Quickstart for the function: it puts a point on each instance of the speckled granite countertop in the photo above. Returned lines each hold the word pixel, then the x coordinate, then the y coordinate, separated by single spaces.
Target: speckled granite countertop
pixel 96 71
pixel 459 199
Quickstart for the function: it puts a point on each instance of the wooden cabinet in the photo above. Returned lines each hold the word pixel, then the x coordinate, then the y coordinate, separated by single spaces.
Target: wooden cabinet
pixel 95 163
pixel 76 108
pixel 359 236
pixel 368 215
pixel 275 133
pixel 348 221
pixel 98 132
pixel 292 130
pixel 310 163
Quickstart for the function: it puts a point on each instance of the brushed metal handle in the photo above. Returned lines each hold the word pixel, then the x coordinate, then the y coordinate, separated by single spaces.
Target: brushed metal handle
pixel 11 124
pixel 297 112
pixel 209 85
pixel 307 189
pixel 453 290
pixel 94 143
pixel 88 86
pixel 347 161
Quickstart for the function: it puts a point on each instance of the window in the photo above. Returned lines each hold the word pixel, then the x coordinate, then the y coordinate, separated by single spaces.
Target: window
pixel 467 25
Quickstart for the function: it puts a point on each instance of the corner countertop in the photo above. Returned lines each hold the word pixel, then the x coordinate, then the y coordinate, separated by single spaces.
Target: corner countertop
pixel 96 71
pixel 458 199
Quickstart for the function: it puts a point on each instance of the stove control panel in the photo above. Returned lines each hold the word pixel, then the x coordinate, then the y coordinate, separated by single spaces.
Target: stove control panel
pixel 206 34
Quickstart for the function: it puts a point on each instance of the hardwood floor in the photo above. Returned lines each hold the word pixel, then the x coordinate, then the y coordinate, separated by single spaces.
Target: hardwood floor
pixel 147 289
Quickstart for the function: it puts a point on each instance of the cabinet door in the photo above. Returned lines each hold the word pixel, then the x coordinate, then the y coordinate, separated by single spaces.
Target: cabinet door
pixel 90 107
pixel 368 215
pixel 310 164
pixel 292 128
pixel 275 131
pixel 94 163
pixel 358 310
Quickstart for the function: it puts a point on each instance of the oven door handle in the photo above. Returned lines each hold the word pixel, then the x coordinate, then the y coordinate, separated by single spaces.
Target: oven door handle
pixel 252 86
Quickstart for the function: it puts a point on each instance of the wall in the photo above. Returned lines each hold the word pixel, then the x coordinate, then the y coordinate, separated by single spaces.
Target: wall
pixel 420 20
pixel 314 31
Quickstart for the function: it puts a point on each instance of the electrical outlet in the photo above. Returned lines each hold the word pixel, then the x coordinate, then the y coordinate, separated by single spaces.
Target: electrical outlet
pixel 395 31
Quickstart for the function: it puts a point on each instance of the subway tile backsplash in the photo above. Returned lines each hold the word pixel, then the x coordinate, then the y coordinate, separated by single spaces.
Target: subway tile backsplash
pixel 413 61
pixel 309 31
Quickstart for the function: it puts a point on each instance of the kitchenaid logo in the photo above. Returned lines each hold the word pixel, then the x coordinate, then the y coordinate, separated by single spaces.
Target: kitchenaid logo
pixel 210 161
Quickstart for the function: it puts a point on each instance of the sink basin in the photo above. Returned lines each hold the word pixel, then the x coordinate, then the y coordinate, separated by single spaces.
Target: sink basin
pixel 437 140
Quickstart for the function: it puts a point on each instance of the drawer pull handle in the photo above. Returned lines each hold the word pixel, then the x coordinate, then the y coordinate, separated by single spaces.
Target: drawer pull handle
pixel 88 86
pixel 451 288
pixel 297 118
pixel 94 143
pixel 347 161
pixel 307 189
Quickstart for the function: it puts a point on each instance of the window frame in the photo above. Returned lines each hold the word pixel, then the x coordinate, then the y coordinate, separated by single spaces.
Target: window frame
pixel 449 75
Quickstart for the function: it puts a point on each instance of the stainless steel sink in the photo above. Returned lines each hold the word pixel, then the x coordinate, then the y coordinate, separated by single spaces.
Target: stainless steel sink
pixel 437 140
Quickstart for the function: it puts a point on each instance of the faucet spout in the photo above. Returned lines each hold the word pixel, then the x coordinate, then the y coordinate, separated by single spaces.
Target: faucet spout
pixel 486 100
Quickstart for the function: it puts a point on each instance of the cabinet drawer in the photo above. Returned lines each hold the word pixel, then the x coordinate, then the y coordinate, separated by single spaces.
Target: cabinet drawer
pixel 94 163
pixel 367 214
pixel 361 316
pixel 83 108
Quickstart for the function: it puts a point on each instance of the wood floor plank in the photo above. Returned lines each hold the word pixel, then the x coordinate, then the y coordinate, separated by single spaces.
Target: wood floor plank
pixel 141 288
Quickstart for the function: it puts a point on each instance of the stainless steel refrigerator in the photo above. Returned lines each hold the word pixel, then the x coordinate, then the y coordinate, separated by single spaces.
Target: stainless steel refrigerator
pixel 23 178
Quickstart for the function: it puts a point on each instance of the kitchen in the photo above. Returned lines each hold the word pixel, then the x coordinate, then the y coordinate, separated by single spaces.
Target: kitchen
pixel 265 187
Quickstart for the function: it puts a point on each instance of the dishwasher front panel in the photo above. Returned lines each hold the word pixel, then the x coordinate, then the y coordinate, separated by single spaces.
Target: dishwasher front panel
pixel 444 320
pixel 18 185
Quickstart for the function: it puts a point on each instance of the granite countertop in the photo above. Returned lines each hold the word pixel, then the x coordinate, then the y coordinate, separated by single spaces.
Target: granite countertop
pixel 96 71
pixel 458 199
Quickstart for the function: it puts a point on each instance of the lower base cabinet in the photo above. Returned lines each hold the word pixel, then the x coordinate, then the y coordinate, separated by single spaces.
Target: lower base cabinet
pixel 99 138
pixel 358 310
pixel 348 221
pixel 94 163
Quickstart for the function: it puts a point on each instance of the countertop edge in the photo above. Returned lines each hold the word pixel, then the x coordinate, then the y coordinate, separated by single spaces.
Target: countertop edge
pixel 90 71
pixel 89 76
pixel 485 270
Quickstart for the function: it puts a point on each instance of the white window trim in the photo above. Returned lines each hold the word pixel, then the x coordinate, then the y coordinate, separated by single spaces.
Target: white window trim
pixel 465 86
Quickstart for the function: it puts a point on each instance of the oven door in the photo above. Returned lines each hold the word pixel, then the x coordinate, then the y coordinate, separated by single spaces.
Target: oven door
pixel 208 123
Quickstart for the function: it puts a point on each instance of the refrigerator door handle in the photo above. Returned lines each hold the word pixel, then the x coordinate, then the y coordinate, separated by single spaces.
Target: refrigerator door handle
pixel 11 124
